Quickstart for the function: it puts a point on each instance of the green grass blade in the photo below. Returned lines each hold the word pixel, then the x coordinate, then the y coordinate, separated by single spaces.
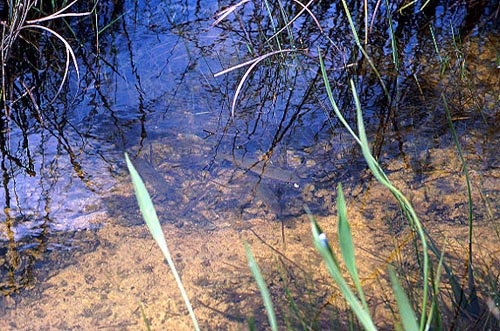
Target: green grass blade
pixel 145 318
pixel 434 305
pixel 332 265
pixel 329 93
pixel 347 246
pixel 268 303
pixel 472 301
pixel 149 214
pixel 403 201
pixel 405 310
pixel 394 45
pixel 363 51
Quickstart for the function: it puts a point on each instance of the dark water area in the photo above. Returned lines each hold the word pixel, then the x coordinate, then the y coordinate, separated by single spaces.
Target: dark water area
pixel 148 86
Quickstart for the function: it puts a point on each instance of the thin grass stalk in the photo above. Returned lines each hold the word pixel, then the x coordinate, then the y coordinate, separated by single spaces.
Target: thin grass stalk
pixel 18 22
pixel 273 23
pixel 470 304
pixel 305 8
pixel 149 214
pixel 435 289
pixel 411 4
pixel 374 14
pixel 144 317
pixel 223 14
pixel 329 93
pixel 394 45
pixel 253 63
pixel 270 14
pixel 286 21
pixel 365 20
pixel 17 19
pixel 70 55
pixel 457 289
pixel 442 61
pixel 295 310
pixel 268 303
pixel 61 14
pixel 363 51
pixel 472 301
pixel 403 201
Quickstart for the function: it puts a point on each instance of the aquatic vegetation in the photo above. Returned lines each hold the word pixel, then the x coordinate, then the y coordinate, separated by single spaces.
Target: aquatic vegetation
pixel 26 21
pixel 393 260
pixel 426 302
pixel 151 219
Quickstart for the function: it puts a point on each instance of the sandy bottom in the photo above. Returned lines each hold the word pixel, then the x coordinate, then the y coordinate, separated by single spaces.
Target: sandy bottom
pixel 120 281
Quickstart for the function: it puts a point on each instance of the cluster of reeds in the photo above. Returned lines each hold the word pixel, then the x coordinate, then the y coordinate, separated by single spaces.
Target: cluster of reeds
pixel 27 19
pixel 423 309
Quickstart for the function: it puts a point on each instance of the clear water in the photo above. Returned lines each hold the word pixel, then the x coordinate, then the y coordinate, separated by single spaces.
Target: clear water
pixel 151 92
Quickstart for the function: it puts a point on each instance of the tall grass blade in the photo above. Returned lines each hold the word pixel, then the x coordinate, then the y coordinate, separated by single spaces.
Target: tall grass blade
pixel 149 214
pixel 435 288
pixel 268 303
pixel 363 51
pixel 403 201
pixel 472 301
pixel 347 246
pixel 322 245
pixel 394 45
pixel 405 310
pixel 379 174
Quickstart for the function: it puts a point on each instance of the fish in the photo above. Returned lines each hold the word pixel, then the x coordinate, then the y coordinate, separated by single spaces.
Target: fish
pixel 271 198
pixel 261 169
pixel 273 181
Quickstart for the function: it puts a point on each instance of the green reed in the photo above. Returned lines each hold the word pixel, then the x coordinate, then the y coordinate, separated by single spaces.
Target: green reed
pixel 421 311
pixel 406 207
pixel 20 21
pixel 149 214
pixel 268 303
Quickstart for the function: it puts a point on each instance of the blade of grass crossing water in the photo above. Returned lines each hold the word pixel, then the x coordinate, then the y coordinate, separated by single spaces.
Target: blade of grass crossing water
pixel 394 44
pixel 472 301
pixel 332 99
pixel 268 303
pixel 403 201
pixel 347 246
pixel 363 51
pixel 322 245
pixel 436 320
pixel 406 312
pixel 149 214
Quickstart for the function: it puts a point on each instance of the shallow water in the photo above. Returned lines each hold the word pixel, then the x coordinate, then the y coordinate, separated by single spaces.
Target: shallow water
pixel 72 239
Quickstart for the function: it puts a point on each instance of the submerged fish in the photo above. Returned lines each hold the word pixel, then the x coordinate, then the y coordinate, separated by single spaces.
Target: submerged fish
pixel 273 181
pixel 261 169
pixel 271 198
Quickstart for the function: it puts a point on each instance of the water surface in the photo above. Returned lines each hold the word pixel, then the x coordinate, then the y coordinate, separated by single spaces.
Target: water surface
pixel 72 238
